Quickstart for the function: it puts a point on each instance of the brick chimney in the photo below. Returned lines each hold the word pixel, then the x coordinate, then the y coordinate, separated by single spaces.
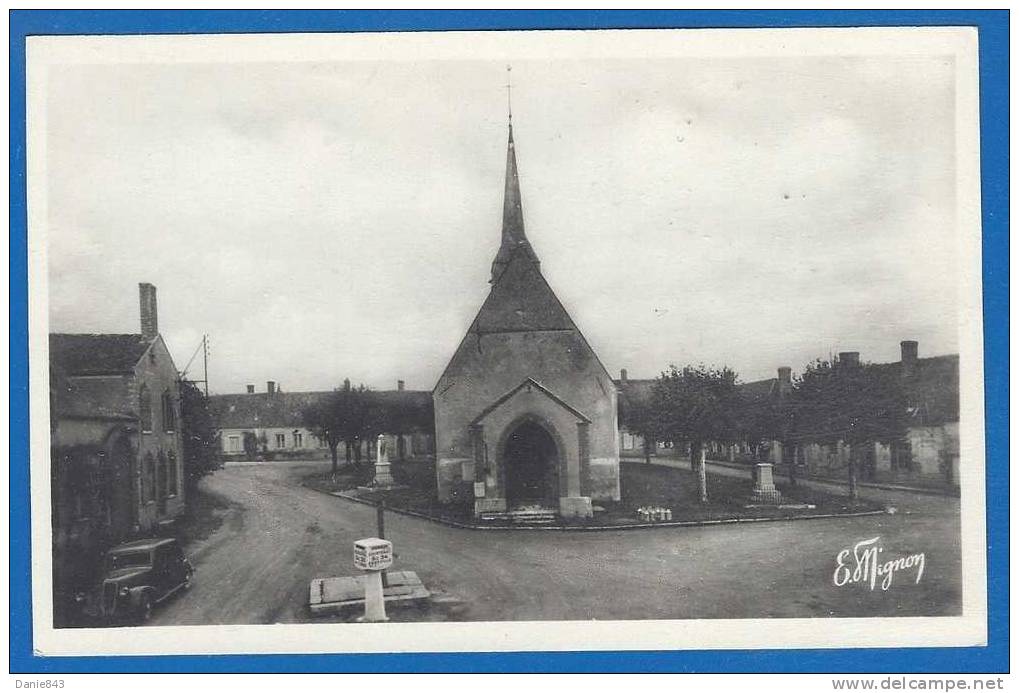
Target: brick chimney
pixel 251 389
pixel 910 349
pixel 399 385
pixel 270 387
pixel 622 376
pixel 149 313
pixel 785 379
pixel 849 358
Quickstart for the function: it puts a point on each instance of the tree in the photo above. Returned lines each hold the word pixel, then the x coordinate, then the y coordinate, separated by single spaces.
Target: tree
pixel 338 417
pixel 639 418
pixel 198 434
pixel 403 416
pixel 858 404
pixel 768 417
pixel 250 445
pixel 696 404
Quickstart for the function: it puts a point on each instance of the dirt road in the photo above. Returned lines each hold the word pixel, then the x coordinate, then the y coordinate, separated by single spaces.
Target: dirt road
pixel 277 535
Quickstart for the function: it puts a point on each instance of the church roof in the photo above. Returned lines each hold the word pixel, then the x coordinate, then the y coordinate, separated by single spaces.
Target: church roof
pixel 529 383
pixel 514 241
pixel 521 301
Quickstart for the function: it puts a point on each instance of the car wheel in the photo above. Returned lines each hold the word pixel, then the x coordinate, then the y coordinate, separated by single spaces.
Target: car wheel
pixel 145 608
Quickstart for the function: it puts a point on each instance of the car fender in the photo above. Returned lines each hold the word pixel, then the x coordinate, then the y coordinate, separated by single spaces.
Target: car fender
pixel 137 593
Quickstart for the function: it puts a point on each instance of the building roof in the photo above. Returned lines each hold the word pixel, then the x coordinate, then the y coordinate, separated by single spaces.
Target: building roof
pixel 758 389
pixel 285 409
pixel 520 298
pixel 932 391
pixel 521 301
pixel 529 383
pixel 89 398
pixel 514 241
pixel 96 354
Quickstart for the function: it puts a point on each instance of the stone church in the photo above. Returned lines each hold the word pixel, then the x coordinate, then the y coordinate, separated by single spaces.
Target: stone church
pixel 525 413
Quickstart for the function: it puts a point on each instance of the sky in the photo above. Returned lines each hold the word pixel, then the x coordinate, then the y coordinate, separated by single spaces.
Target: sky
pixel 322 221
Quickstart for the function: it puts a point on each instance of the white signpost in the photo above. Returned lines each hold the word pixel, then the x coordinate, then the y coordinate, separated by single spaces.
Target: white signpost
pixel 373 555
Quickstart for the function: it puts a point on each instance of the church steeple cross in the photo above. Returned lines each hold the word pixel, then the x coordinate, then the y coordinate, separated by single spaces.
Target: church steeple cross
pixel 509 92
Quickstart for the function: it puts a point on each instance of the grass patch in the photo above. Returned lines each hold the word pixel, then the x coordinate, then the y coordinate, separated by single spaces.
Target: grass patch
pixel 203 515
pixel 728 496
pixel 641 485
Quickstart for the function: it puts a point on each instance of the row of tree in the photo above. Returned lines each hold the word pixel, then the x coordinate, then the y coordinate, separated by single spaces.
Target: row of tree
pixel 350 415
pixel 346 415
pixel 854 403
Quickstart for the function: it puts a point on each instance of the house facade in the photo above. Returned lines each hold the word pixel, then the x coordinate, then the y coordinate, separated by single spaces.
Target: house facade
pixel 525 413
pixel 115 443
pixel 273 421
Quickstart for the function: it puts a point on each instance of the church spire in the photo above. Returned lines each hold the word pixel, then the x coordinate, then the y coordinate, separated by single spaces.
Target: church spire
pixel 513 238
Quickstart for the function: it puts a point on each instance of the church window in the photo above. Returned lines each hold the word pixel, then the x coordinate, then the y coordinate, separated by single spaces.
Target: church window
pixel 145 409
pixel 171 471
pixel 169 413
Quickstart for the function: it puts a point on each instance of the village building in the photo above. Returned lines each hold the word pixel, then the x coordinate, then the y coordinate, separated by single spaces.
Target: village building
pixel 929 452
pixel 116 452
pixel 525 413
pixel 274 421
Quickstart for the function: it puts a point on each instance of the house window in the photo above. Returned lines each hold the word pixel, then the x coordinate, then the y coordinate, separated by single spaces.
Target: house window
pixel 627 441
pixel 902 455
pixel 145 409
pixel 169 413
pixel 233 444
pixel 298 439
pixel 149 478
pixel 171 464
pixel 281 440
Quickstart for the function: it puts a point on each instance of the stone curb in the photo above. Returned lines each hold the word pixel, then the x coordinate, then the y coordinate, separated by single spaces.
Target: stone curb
pixel 600 528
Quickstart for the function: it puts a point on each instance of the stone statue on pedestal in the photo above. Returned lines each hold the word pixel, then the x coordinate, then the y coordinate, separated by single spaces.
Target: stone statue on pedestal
pixel 383 477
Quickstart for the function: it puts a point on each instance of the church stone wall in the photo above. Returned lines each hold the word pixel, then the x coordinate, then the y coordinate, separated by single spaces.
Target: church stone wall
pixel 486 367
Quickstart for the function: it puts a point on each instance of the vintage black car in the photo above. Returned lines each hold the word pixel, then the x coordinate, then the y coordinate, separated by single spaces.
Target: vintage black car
pixel 139 575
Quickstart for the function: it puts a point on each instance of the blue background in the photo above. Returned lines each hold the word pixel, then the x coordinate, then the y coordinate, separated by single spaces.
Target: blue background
pixel 993 32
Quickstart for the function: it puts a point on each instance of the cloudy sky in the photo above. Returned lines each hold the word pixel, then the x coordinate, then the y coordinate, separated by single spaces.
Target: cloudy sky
pixel 331 220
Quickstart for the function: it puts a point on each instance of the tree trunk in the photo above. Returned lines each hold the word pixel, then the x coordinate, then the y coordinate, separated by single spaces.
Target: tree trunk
pixel 357 451
pixel 792 465
pixel 332 451
pixel 346 450
pixel 647 451
pixel 698 461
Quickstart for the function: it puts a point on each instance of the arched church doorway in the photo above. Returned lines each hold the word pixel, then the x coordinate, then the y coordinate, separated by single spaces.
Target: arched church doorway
pixel 531 461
